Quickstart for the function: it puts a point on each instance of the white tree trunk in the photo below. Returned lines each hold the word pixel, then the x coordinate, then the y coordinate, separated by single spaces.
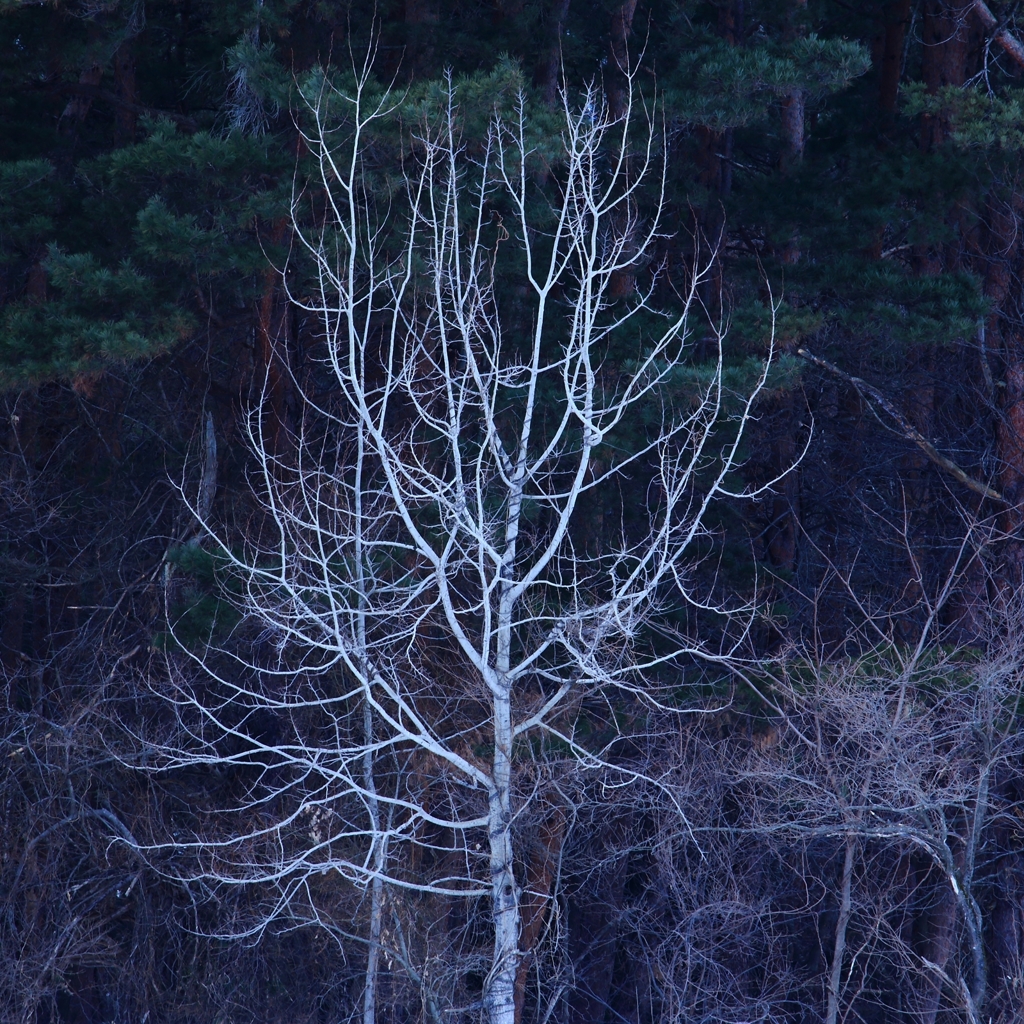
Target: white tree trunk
pixel 499 992
pixel 373 957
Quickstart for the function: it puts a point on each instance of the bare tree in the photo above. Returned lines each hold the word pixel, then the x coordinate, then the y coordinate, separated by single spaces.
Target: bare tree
pixel 421 614
pixel 892 764
pixel 842 847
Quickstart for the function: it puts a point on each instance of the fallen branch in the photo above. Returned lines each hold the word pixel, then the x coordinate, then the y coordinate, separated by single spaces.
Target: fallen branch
pixel 909 430
pixel 1010 43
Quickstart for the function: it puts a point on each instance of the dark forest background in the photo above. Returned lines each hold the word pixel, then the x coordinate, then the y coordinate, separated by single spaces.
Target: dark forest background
pixel 860 165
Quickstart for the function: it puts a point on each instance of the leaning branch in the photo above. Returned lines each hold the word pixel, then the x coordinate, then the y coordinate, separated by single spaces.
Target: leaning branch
pixel 92 92
pixel 909 431
pixel 1009 42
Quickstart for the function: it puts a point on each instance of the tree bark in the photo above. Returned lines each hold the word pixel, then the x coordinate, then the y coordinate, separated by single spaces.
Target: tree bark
pixel 714 170
pixel 793 135
pixel 548 67
pixel 499 989
pixel 616 84
pixel 935 927
pixel 73 116
pixel 793 129
pixel 1002 265
pixel 782 531
pixel 1006 919
pixel 944 60
pixel 271 324
pixel 126 114
pixel 421 19
pixel 1001 35
pixel 897 20
pixel 78 106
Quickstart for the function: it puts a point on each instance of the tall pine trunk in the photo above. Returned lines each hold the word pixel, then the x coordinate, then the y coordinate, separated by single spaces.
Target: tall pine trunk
pixel 545 76
pixel 896 20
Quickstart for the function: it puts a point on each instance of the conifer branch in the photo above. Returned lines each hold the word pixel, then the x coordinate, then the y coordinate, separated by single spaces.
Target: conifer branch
pixel 909 430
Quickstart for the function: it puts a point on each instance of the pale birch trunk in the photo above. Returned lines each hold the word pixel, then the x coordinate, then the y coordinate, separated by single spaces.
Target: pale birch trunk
pixel 499 993
pixel 500 988
pixel 379 850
